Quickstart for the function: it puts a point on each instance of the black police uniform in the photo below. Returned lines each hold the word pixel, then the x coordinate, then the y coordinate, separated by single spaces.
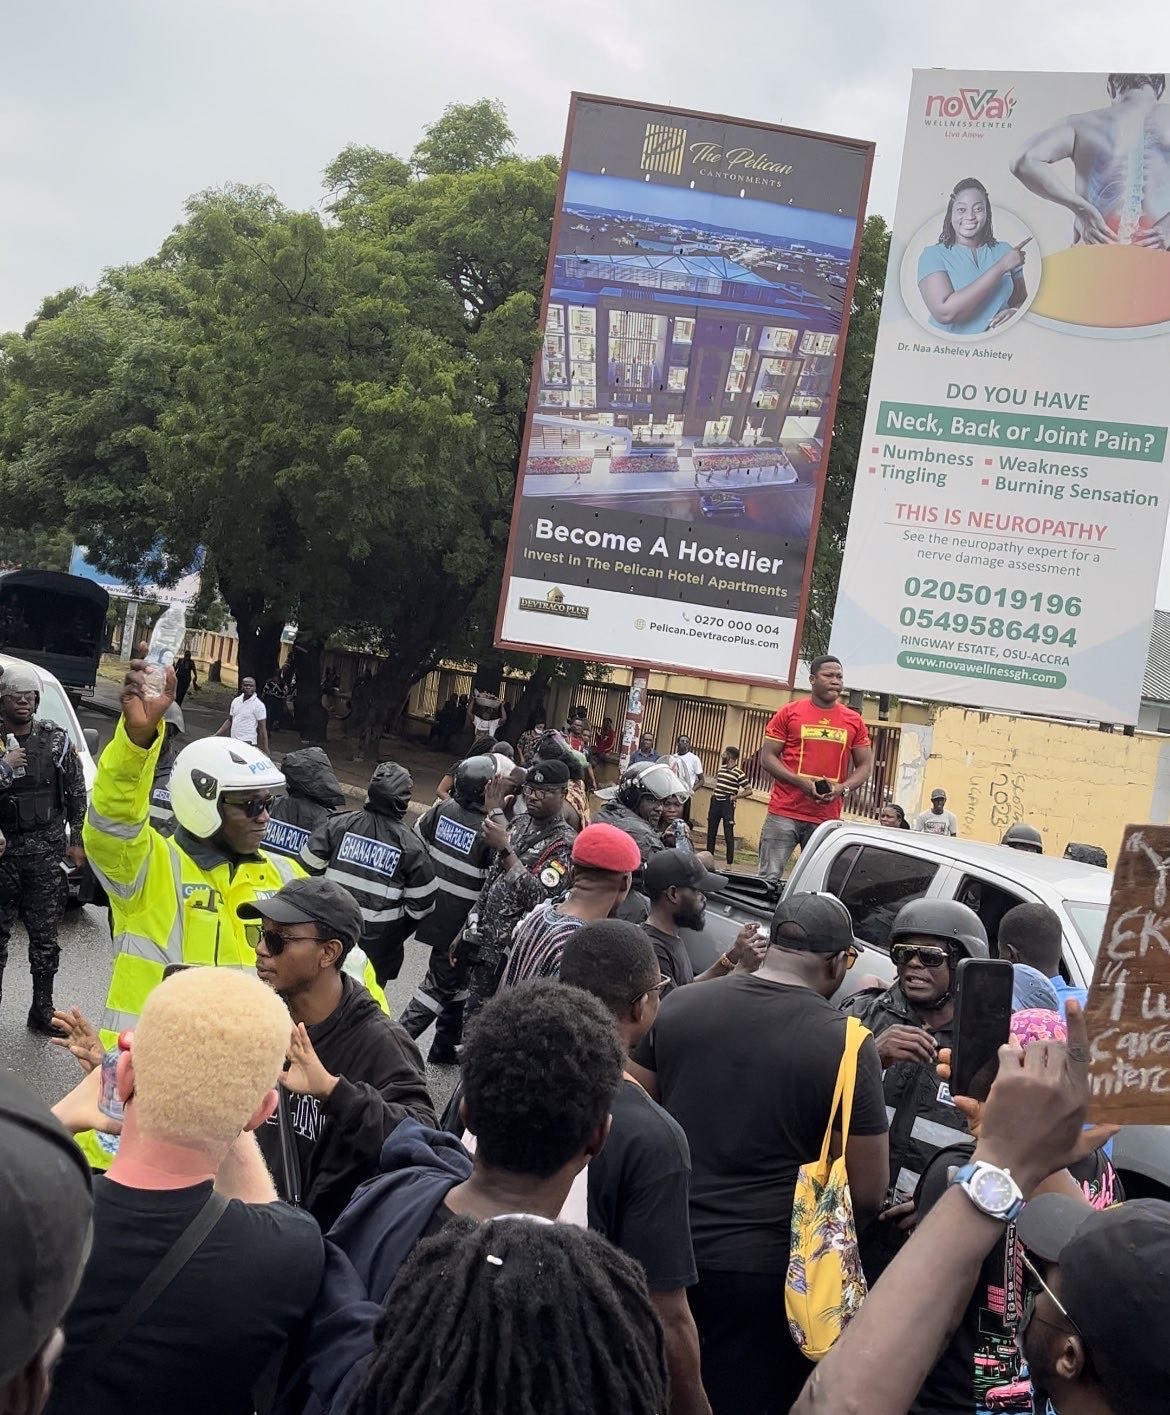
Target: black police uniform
pixel 35 810
pixel 460 858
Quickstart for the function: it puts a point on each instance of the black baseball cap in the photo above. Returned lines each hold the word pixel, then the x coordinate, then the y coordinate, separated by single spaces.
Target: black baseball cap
pixel 1115 1285
pixel 812 923
pixel 311 901
pixel 46 1220
pixel 682 870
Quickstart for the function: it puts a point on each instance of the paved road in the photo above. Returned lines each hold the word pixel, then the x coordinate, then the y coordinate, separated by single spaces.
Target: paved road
pixel 86 957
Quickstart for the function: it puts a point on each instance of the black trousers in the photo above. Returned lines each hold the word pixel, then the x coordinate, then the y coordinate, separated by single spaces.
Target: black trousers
pixel 33 890
pixel 722 811
pixel 440 998
pixel 750 1364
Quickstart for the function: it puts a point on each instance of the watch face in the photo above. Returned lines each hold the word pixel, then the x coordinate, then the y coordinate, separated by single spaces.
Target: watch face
pixel 993 1190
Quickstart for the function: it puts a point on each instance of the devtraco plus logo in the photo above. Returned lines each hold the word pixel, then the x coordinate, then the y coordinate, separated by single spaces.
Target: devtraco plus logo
pixel 554 603
pixel 977 108
pixel 663 149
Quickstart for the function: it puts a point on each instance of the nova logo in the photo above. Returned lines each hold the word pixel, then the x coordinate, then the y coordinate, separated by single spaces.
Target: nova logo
pixel 975 105
pixel 663 149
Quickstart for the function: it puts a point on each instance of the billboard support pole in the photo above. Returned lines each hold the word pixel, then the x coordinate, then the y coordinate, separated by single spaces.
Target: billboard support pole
pixel 129 628
pixel 632 728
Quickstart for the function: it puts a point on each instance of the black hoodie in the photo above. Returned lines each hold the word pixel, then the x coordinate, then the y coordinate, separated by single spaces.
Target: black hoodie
pixel 314 793
pixel 381 1082
pixel 385 866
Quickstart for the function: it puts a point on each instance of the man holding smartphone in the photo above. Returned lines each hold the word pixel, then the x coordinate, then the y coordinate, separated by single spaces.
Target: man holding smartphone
pixel 816 751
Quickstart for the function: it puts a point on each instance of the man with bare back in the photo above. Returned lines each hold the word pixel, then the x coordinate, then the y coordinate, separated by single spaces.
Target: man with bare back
pixel 1121 161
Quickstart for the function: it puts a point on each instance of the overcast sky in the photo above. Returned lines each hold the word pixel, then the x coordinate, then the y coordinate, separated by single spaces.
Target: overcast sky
pixel 112 113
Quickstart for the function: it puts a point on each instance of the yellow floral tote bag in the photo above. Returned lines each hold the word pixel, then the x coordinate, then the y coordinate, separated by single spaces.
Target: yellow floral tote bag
pixel 825 1284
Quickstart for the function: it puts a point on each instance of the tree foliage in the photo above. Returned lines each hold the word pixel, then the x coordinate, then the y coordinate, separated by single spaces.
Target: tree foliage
pixel 848 425
pixel 332 408
pixel 467 138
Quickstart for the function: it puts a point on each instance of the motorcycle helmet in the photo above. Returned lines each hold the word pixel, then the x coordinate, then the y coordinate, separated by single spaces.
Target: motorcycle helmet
pixel 471 778
pixel 649 779
pixel 1023 836
pixel 950 922
pixel 206 770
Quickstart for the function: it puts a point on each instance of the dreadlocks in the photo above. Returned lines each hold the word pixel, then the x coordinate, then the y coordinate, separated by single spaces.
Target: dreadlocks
pixel 516 1317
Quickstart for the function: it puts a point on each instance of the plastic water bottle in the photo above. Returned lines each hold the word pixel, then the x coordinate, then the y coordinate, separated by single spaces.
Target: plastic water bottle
pixel 166 643
pixel 14 746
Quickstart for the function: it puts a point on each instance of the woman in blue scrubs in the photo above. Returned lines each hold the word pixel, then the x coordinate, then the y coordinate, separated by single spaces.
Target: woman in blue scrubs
pixel 969 281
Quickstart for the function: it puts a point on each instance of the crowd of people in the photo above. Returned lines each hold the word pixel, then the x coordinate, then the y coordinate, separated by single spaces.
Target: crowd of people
pixel 263 1211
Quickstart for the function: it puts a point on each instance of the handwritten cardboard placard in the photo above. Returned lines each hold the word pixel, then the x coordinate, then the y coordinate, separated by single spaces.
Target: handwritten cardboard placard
pixel 1128 1012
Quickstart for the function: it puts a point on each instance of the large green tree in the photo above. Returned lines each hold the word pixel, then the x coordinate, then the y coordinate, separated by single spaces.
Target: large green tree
pixel 332 408
pixel 848 425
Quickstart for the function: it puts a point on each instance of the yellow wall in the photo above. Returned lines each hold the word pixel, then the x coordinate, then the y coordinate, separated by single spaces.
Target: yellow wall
pixel 1071 783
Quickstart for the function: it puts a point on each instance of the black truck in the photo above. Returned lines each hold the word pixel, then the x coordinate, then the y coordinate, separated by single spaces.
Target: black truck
pixel 55 621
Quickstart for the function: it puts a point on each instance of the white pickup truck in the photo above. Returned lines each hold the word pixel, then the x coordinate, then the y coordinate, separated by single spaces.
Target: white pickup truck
pixel 874 871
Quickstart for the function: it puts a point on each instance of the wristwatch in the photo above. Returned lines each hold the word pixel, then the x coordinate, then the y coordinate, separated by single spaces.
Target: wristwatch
pixel 993 1191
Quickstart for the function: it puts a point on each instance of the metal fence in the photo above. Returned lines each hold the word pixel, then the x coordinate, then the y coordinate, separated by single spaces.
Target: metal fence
pixel 704 724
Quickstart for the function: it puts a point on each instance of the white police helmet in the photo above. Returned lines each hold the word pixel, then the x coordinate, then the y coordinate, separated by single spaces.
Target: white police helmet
pixel 205 770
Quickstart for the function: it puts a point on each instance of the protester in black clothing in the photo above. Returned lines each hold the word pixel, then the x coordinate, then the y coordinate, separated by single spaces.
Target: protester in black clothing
pixel 353 1074
pixel 46 1212
pixel 639 1185
pixel 460 856
pixel 677 885
pixel 518 1317
pixel 186 676
pixel 313 794
pixel 376 856
pixel 198 1079
pixel 540 1068
pixel 748 1069
pixel 910 1022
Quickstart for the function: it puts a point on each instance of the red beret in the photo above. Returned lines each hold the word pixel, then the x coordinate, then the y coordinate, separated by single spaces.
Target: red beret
pixel 605 847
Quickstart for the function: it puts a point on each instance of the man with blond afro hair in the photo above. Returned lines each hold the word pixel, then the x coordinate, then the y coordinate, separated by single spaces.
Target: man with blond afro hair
pixel 195 1078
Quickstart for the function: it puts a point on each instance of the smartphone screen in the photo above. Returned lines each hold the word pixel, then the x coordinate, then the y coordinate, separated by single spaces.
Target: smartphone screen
pixel 983 1015
pixel 822 787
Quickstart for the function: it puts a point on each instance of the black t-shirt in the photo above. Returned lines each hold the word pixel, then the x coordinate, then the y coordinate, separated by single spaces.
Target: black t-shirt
pixel 747 1067
pixel 204 1343
pixel 639 1187
pixel 673 958
pixel 982 1354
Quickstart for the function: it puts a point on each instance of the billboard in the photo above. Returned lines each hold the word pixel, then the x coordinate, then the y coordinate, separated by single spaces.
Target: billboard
pixel 695 308
pixel 185 586
pixel 1010 502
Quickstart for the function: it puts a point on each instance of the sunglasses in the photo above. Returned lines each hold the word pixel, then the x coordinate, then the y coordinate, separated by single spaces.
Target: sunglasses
pixel 851 956
pixel 1029 1309
pixel 928 957
pixel 542 790
pixel 663 982
pixel 275 942
pixel 253 808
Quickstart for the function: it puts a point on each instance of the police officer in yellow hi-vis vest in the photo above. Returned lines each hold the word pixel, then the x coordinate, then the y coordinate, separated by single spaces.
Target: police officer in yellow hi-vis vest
pixel 175 900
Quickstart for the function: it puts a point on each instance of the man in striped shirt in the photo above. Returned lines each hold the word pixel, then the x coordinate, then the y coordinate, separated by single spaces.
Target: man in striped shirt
pixel 452 831
pixel 383 864
pixel 730 785
pixel 604 860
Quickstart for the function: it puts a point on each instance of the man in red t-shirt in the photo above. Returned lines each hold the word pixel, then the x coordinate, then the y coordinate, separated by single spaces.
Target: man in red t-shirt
pixel 805 744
